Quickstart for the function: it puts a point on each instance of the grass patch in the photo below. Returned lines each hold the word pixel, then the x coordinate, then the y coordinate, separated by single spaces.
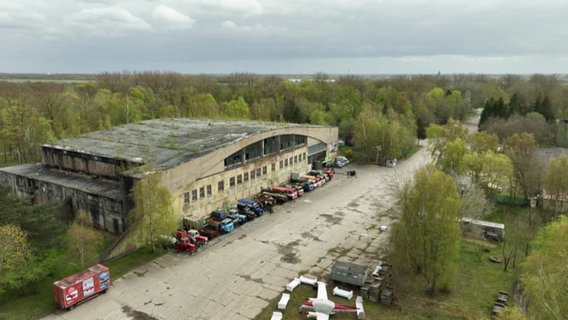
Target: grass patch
pixel 38 300
pixel 472 297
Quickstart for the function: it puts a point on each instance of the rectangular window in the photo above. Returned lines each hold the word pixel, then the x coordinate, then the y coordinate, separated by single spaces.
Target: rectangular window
pixel 281 164
pixel 209 190
pixel 286 162
pixel 246 176
pixel 194 195
pixel 232 181
pixel 304 156
pixel 264 170
pixel 291 159
pixel 252 175
pixel 201 192
pixel 221 185
pixel 186 197
pixel 239 179
pixel 258 172
pixel 273 167
pixel 295 159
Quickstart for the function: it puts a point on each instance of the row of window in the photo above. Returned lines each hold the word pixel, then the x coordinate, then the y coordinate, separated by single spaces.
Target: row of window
pixel 239 179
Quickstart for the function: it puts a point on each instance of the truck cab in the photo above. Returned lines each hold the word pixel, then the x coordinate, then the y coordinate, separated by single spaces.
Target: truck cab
pixel 219 214
pixel 236 216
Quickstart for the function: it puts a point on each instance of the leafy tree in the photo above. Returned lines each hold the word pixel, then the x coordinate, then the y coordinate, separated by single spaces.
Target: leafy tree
pixel 237 109
pixel 14 254
pixel 83 238
pixel 153 214
pixel 556 181
pixel 318 118
pixel 38 221
pixel 544 277
pixel 481 141
pixel 533 123
pixel 452 162
pixel 527 170
pixel 440 135
pixel 15 249
pixel 425 240
pixel 366 135
pixel 24 130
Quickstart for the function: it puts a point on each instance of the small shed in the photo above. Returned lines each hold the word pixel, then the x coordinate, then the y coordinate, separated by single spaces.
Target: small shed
pixel 497 228
pixel 349 273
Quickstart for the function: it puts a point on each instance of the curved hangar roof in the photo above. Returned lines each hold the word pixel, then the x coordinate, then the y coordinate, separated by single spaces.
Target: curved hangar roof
pixel 166 142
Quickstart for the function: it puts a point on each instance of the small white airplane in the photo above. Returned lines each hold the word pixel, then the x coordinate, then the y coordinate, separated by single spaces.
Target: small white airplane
pixel 321 308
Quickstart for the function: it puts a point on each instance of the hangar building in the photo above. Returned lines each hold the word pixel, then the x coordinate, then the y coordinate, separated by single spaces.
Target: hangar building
pixel 204 164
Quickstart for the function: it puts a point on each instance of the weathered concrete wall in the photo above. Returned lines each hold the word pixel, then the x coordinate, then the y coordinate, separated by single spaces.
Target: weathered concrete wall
pixel 270 174
pixel 82 162
pixel 209 169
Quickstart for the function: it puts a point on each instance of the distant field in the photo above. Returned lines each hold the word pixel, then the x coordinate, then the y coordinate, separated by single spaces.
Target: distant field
pixel 46 77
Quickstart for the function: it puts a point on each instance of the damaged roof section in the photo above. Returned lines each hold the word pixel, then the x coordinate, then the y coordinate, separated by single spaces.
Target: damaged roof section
pixel 164 143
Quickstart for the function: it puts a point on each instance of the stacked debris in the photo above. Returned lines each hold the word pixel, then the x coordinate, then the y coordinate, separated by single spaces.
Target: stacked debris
pixel 378 287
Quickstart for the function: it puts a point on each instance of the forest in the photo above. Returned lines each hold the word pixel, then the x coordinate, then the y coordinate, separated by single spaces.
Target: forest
pixel 388 113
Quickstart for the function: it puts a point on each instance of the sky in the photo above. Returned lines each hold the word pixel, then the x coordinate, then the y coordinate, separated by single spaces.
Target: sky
pixel 285 36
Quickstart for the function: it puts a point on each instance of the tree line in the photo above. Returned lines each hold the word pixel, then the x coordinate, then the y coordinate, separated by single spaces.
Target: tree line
pixel 385 114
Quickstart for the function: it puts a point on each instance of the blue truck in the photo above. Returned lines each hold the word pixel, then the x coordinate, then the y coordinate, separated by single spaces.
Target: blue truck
pixel 244 204
pixel 236 216
pixel 224 226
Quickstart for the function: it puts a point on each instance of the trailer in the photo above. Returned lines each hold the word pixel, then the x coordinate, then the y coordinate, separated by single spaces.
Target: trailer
pixel 349 273
pixel 80 287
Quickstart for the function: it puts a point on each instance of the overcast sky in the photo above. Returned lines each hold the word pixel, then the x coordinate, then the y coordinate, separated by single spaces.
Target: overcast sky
pixel 284 36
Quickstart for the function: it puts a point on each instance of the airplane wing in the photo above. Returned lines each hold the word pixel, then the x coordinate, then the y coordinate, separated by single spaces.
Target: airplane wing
pixel 322 291
pixel 322 316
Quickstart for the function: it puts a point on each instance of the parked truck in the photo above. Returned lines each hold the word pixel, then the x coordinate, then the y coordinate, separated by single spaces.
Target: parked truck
pixel 81 287
pixel 225 226
pixel 238 217
pixel 291 193
pixel 251 205
pixel 219 214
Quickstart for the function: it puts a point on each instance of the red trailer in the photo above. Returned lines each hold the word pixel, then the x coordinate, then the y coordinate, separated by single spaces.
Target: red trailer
pixel 81 286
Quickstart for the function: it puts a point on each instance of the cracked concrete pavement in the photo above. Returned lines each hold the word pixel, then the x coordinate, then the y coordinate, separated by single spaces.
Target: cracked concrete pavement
pixel 237 276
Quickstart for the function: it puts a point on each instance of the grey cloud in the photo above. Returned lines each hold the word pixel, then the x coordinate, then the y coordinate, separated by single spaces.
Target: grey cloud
pixel 315 34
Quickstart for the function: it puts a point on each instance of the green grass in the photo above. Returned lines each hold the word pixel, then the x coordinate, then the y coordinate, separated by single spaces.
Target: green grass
pixel 38 301
pixel 472 297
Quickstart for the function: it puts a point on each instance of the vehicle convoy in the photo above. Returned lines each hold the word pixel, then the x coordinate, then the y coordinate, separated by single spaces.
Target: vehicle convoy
pixel 80 287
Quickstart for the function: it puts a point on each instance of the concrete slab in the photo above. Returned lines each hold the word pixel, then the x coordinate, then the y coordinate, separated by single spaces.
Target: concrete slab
pixel 236 277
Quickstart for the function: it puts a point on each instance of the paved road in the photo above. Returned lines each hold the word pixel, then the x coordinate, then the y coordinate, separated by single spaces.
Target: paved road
pixel 237 277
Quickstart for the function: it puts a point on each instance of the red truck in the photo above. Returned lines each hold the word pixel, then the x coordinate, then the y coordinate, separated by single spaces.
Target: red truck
pixel 81 286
